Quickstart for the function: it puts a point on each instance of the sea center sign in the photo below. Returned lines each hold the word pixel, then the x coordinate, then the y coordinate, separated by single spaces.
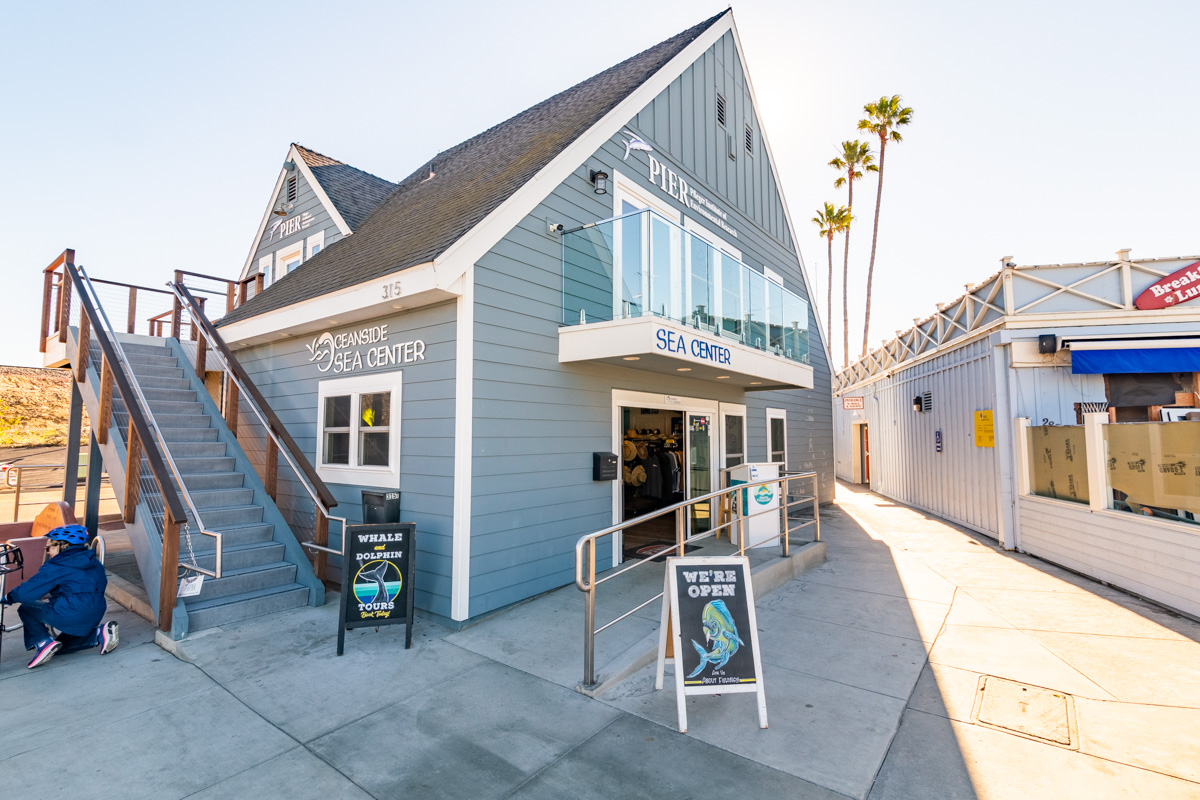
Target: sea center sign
pixel 1180 286
pixel 680 344
pixel 348 352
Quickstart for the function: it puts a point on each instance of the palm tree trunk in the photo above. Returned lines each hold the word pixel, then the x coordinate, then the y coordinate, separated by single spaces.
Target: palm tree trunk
pixel 874 237
pixel 846 279
pixel 829 295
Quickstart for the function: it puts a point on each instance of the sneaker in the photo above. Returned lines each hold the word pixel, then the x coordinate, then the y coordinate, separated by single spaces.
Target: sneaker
pixel 108 638
pixel 44 652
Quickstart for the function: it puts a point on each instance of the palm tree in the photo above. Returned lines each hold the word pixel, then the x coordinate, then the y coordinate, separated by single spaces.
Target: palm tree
pixel 855 154
pixel 882 120
pixel 831 221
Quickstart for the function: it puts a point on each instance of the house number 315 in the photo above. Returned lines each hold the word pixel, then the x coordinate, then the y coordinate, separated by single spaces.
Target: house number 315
pixel 391 290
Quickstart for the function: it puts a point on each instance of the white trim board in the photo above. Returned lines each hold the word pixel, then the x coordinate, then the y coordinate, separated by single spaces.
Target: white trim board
pixel 464 409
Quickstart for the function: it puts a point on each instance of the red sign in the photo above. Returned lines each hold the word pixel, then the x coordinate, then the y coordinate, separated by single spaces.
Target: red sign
pixel 851 403
pixel 1178 287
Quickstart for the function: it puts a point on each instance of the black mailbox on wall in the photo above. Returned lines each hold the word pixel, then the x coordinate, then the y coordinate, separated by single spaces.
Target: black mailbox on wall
pixel 380 507
pixel 604 466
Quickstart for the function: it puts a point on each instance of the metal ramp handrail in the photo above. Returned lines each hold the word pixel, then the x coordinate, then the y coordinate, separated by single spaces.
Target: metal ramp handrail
pixel 585 548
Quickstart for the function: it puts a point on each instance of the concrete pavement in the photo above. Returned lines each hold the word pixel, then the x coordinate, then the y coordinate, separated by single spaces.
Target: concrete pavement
pixel 917 661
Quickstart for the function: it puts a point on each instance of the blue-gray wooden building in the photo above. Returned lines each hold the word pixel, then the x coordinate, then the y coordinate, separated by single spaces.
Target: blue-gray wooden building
pixel 620 256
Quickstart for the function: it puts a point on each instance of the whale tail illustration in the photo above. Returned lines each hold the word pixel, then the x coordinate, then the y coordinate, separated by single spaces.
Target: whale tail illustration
pixel 376 575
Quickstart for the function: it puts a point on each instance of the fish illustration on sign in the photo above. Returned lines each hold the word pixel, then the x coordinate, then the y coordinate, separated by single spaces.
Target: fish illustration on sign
pixel 634 142
pixel 719 631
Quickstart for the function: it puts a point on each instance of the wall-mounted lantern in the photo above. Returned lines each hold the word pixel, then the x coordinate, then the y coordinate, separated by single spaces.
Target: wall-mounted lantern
pixel 918 405
pixel 600 181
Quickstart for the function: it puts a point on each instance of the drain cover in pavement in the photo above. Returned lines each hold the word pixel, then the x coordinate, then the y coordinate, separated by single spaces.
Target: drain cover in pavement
pixel 1025 710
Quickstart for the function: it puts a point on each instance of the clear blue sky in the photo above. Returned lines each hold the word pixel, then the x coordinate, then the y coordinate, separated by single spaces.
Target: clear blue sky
pixel 148 136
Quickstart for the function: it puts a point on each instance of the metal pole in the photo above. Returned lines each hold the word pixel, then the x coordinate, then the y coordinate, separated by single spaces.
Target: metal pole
pixel 17 493
pixel 784 487
pixel 742 525
pixel 74 426
pixel 589 617
pixel 680 530
pixel 817 507
pixel 91 512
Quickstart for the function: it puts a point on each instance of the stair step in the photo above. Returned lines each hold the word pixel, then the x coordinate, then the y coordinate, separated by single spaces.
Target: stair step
pixel 224 610
pixel 155 382
pixel 255 554
pixel 190 434
pixel 146 349
pixel 183 420
pixel 232 515
pixel 234 536
pixel 154 395
pixel 197 449
pixel 143 362
pixel 191 466
pixel 221 498
pixel 246 579
pixel 174 408
pixel 145 373
pixel 213 480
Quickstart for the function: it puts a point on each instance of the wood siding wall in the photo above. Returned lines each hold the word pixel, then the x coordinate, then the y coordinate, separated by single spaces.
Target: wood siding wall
pixel 537 422
pixel 1155 559
pixel 284 374
pixel 306 201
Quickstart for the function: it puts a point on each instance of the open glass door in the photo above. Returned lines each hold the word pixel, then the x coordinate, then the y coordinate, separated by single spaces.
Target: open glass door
pixel 699 432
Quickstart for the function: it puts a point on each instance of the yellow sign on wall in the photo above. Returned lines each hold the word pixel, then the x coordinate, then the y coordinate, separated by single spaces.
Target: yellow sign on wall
pixel 985 433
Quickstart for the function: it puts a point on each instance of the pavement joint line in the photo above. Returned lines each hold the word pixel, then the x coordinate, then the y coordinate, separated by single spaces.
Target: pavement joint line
pixel 852 686
pixel 256 713
pixel 566 753
pixel 1023 632
pixel 858 628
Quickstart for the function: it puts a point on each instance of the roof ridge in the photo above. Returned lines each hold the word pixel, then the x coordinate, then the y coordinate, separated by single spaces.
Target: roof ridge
pixel 334 162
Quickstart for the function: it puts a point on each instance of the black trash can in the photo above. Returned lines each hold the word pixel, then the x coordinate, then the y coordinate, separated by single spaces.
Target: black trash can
pixel 380 507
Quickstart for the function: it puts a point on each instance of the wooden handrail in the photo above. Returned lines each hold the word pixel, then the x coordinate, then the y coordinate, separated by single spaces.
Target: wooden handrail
pixel 256 397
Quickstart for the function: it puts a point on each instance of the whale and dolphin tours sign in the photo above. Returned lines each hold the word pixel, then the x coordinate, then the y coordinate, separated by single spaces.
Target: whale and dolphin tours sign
pixel 709 631
pixel 377 578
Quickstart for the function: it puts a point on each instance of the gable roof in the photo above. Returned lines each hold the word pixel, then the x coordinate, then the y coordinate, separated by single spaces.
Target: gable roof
pixel 447 197
pixel 354 193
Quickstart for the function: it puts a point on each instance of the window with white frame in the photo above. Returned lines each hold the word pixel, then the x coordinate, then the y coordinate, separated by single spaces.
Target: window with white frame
pixel 265 265
pixel 777 435
pixel 358 424
pixel 288 258
pixel 314 244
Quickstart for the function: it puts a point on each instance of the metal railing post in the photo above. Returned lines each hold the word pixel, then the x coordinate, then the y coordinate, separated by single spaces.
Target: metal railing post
pixel 680 530
pixel 817 507
pixel 784 510
pixel 589 617
pixel 742 526
pixel 17 493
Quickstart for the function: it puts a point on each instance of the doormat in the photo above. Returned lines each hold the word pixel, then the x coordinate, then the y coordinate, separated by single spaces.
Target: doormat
pixel 646 550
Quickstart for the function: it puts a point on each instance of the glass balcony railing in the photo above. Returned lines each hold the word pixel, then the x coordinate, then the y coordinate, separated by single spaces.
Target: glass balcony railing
pixel 644 265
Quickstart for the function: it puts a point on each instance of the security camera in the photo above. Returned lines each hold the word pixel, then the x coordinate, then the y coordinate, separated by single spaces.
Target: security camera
pixel 556 227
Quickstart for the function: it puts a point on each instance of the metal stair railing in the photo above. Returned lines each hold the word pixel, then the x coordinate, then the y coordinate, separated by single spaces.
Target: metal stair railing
pixel 144 439
pixel 237 388
pixel 585 548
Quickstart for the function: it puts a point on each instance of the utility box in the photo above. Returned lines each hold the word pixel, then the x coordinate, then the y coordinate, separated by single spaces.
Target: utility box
pixel 761 504
pixel 604 466
pixel 380 508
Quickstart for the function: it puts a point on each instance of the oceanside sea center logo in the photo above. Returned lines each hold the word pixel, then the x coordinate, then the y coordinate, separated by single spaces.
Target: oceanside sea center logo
pixel 344 352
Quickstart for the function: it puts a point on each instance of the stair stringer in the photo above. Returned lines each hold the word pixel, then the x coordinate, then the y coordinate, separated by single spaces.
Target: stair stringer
pixel 144 538
pixel 294 553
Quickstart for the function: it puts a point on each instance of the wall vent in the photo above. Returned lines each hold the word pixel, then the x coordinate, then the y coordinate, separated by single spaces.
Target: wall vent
pixel 749 140
pixel 926 402
pixel 720 109
pixel 291 189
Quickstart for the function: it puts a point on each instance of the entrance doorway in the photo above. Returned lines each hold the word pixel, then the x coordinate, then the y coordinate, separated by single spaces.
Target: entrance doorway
pixel 861 461
pixel 668 448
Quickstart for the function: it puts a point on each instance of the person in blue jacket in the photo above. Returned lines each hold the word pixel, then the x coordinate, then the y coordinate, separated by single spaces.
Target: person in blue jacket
pixel 74 579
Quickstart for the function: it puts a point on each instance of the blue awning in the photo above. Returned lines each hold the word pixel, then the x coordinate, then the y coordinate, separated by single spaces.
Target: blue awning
pixel 1158 359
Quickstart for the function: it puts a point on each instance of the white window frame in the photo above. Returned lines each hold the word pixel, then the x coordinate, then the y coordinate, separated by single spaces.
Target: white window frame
pixel 316 240
pixel 781 414
pixel 293 252
pixel 734 410
pixel 626 189
pixel 772 275
pixel 266 266
pixel 379 477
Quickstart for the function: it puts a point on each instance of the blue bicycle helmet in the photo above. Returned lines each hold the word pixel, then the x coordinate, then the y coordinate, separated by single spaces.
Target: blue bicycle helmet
pixel 71 534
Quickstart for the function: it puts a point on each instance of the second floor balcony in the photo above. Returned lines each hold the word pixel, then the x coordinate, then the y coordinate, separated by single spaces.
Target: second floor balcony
pixel 643 272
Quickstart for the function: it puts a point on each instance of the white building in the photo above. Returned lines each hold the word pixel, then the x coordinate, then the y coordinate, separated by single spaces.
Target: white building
pixel 1048 407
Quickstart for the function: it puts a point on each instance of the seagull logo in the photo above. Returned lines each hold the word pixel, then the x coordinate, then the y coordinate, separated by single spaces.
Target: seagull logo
pixel 634 142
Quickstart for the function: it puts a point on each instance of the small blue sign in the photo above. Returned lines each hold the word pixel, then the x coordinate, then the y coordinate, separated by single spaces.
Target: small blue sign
pixel 937 441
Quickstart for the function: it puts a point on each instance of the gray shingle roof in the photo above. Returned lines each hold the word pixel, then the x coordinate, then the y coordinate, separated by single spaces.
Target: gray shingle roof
pixel 425 216
pixel 354 193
